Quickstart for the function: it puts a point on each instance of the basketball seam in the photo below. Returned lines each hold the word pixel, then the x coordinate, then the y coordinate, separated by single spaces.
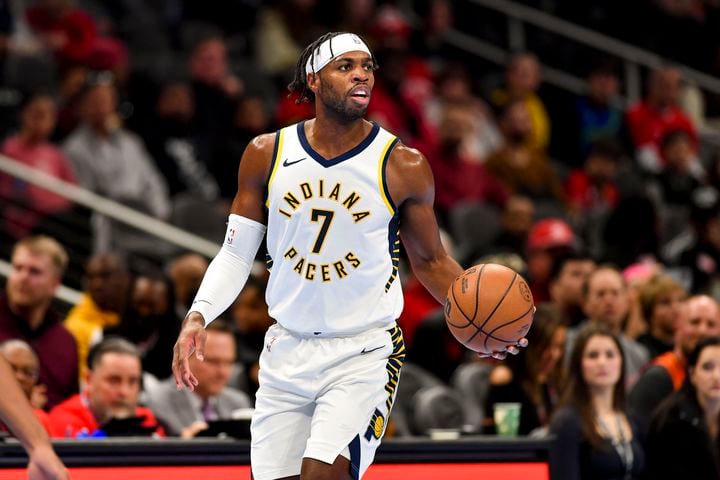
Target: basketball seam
pixel 490 334
pixel 487 319
pixel 454 298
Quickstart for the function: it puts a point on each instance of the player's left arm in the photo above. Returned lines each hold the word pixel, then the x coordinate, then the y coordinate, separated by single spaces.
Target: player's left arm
pixel 412 188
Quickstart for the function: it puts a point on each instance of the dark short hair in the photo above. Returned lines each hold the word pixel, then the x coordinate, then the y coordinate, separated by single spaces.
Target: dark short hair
pixel 112 344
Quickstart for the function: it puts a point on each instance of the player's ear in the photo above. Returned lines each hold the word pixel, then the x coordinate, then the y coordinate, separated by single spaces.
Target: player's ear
pixel 313 81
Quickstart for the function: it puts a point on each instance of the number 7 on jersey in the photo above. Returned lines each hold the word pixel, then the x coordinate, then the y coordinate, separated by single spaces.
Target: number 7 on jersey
pixel 327 220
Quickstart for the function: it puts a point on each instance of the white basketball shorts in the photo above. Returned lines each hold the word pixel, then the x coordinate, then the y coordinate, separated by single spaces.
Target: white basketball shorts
pixel 323 397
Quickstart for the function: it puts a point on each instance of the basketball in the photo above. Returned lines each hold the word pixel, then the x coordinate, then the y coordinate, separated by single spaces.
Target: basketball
pixel 489 307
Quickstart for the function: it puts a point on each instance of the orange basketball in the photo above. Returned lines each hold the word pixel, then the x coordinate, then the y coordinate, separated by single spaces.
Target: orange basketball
pixel 488 307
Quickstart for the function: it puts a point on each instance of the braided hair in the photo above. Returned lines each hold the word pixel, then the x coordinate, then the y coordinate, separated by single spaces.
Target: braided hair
pixel 299 81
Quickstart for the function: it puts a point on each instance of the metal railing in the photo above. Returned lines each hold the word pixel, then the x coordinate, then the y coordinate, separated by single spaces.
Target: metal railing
pixel 114 210
pixel 518 16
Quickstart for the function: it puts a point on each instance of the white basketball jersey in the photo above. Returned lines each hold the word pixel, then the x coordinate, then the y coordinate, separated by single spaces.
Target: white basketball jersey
pixel 332 237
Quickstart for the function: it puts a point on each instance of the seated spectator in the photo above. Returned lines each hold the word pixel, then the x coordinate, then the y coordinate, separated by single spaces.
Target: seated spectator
pixel 592 189
pixel 661 299
pixel 186 272
pixel 657 114
pixel 516 220
pixel 112 162
pixel 37 268
pixel 684 436
pixel 107 281
pixel 522 81
pixel 682 172
pixel 548 239
pixel 150 322
pixel 108 405
pixel 185 413
pixel 567 278
pixel 699 318
pixel 637 275
pixel 522 168
pixel 66 31
pixel 251 320
pixel 534 379
pixel 460 177
pixel 28 204
pixel 698 256
pixel 594 437
pixel 26 367
pixel 599 113
pixel 172 143
pixel 605 303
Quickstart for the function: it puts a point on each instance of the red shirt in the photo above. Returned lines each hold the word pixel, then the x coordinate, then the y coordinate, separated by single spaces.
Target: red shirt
pixel 648 125
pixel 582 193
pixel 76 26
pixel 72 418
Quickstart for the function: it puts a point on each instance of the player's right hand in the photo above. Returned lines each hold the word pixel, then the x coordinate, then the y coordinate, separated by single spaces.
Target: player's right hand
pixel 191 340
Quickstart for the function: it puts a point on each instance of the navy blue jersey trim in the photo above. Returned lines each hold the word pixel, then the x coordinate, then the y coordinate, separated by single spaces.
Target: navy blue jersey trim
pixel 329 162
pixel 354 448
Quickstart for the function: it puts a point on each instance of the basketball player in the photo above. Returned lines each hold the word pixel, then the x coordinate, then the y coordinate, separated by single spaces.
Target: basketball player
pixel 336 193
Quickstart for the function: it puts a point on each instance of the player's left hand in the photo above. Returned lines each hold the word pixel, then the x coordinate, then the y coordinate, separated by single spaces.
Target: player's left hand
pixel 511 349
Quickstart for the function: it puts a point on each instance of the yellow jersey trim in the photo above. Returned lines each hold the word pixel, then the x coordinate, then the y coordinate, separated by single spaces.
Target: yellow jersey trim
pixel 275 163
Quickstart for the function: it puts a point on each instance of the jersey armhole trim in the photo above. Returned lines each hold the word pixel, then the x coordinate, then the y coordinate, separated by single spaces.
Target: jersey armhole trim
pixel 274 164
pixel 382 175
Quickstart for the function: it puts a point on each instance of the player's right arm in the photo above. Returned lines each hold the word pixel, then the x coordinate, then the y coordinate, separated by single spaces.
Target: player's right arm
pixel 227 273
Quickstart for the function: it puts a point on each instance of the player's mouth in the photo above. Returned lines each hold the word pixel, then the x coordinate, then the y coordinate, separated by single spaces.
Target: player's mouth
pixel 361 94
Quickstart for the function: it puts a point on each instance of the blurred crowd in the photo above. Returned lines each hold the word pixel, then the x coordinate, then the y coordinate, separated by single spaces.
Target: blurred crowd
pixel 610 210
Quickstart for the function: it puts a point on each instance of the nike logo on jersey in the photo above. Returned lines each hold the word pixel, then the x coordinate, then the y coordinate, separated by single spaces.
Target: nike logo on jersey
pixel 286 163
pixel 365 350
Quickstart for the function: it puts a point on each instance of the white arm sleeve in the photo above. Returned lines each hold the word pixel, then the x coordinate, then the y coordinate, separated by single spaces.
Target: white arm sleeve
pixel 229 270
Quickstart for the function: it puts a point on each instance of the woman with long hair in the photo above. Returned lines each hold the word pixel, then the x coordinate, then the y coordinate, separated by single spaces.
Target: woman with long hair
pixel 533 378
pixel 594 438
pixel 684 439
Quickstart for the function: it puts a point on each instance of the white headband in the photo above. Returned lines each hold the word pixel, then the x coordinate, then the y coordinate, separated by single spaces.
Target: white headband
pixel 332 48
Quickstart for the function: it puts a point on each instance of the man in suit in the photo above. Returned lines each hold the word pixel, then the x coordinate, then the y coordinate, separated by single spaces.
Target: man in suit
pixel 187 413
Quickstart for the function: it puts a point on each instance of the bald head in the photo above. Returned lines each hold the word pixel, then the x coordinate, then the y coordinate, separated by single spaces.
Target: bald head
pixel 664 87
pixel 186 273
pixel 699 318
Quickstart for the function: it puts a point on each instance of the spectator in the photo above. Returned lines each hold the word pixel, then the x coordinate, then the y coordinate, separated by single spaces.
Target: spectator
pixel 599 114
pixel 548 239
pixel 681 173
pixel 567 277
pixel 37 268
pixel 605 303
pixel 216 90
pixel 661 299
pixel 650 119
pixel 594 437
pixel 631 231
pixel 172 142
pixel 524 169
pixel 186 272
pixel 27 204
pixel 250 119
pixel 516 220
pixel 108 406
pixel 66 31
pixel 251 320
pixel 593 189
pixel 26 367
pixel 533 379
pixel 187 413
pixel 151 323
pixel 107 281
pixel 522 81
pixel 459 177
pixel 684 436
pixel 112 162
pixel 698 256
pixel 699 318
